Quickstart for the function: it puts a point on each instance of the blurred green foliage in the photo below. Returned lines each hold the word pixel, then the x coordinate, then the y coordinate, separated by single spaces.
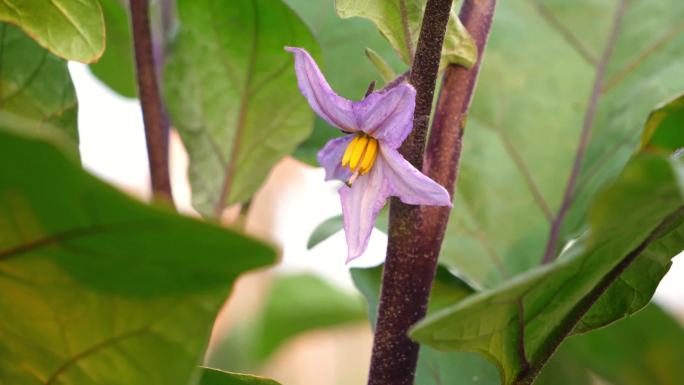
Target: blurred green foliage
pixel 294 304
pixel 102 289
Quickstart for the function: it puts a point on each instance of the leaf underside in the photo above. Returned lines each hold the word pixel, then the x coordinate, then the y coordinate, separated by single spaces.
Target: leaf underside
pixel 231 93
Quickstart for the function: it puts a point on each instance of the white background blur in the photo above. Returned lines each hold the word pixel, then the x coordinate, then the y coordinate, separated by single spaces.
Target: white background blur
pixel 112 145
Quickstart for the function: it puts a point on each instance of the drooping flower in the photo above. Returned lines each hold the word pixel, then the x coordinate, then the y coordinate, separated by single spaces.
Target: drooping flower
pixel 366 159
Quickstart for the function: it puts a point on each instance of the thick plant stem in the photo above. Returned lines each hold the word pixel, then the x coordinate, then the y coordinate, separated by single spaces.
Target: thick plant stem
pixel 415 233
pixel 154 116
pixel 444 146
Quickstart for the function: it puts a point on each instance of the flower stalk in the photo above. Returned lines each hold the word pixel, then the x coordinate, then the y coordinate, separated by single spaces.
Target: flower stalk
pixel 415 232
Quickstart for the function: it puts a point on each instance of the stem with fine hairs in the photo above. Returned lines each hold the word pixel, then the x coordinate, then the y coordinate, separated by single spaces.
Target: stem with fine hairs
pixel 416 233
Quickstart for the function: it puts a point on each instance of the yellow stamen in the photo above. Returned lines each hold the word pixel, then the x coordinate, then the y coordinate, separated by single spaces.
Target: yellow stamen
pixel 357 152
pixel 360 155
pixel 369 156
pixel 348 152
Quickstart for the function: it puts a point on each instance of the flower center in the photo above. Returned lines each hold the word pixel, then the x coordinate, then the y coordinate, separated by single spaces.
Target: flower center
pixel 360 155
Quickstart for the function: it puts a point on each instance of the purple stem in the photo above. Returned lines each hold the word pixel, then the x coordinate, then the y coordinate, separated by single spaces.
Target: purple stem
pixel 150 99
pixel 416 233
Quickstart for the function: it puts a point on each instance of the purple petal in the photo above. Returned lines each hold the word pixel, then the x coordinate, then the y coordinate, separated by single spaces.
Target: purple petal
pixel 360 206
pixel 409 184
pixel 330 157
pixel 387 115
pixel 333 108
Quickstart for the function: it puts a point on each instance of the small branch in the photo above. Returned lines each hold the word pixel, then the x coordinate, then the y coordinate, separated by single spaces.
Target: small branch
pixel 412 249
pixel 150 99
pixel 527 377
pixel 554 233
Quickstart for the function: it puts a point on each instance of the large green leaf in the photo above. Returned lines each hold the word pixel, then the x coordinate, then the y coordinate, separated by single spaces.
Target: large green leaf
pixel 36 92
pixel 344 63
pixel 71 29
pixel 524 125
pixel 218 377
pixel 294 304
pixel 116 66
pixel 643 349
pixel 434 367
pixel 99 288
pixel 232 94
pixel 641 211
pixel 399 22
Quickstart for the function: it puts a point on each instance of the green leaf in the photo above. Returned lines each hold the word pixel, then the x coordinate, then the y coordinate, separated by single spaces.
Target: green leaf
pixel 434 367
pixel 384 69
pixel 643 349
pixel 638 212
pixel 636 285
pixel 303 302
pixel 524 125
pixel 294 304
pixel 104 289
pixel 664 126
pixel 71 29
pixel 325 230
pixel 347 70
pixel 219 377
pixel 116 67
pixel 232 94
pixel 401 27
pixel 37 96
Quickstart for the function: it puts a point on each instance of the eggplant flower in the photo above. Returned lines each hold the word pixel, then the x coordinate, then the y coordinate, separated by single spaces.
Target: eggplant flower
pixel 366 159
